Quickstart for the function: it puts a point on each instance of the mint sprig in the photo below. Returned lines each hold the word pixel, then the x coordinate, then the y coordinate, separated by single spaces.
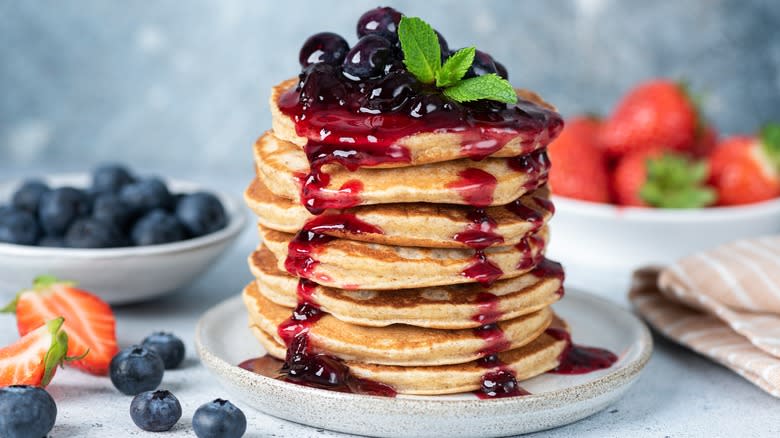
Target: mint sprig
pixel 422 56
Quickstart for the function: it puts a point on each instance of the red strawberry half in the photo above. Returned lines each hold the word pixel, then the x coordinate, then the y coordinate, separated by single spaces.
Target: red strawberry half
pixel 33 359
pixel 89 320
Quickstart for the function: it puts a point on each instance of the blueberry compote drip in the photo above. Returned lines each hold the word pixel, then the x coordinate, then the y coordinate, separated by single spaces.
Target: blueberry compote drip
pixel 488 314
pixel 500 381
pixel 578 359
pixel 301 250
pixel 547 268
pixel 535 165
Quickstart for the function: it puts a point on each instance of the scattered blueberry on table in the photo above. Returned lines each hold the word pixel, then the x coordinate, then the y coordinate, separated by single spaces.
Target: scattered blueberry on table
pixel 26 411
pixel 219 419
pixel 118 209
pixel 155 411
pixel 136 369
pixel 168 346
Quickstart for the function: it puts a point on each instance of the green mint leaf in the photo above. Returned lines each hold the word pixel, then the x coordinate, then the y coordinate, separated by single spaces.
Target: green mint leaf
pixel 422 53
pixel 455 67
pixel 488 87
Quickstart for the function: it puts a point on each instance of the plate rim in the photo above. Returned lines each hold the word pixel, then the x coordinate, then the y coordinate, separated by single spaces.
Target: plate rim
pixel 576 393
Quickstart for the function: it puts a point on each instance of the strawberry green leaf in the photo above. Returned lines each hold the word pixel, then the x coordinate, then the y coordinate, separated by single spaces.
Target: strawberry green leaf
pixel 422 53
pixel 44 281
pixel 57 352
pixel 455 67
pixel 489 87
pixel 770 140
pixel 675 182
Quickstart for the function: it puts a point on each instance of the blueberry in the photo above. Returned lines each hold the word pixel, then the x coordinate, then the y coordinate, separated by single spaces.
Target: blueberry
pixel 136 369
pixel 319 84
pixel 169 347
pixel 201 213
pixel 26 412
pixel 146 195
pixel 157 227
pixel 390 93
pixel 219 419
pixel 368 58
pixel 110 209
pixel 483 64
pixel 93 233
pixel 443 46
pixel 110 178
pixel 18 227
pixel 501 70
pixel 59 208
pixel 52 241
pixel 155 411
pixel 381 21
pixel 28 196
pixel 326 47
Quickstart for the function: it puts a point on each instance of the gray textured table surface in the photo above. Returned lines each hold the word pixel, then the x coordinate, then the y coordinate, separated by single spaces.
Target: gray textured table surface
pixel 680 394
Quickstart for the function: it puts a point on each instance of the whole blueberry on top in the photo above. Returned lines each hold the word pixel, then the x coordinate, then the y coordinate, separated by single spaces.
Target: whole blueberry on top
pixel 18 227
pixel 52 241
pixel 219 419
pixel 169 347
pixel 93 233
pixel 155 411
pixel 110 178
pixel 368 58
pixel 483 64
pixel 326 47
pixel 108 208
pixel 26 412
pixel 136 369
pixel 443 46
pixel 145 195
pixel 157 227
pixel 28 196
pixel 60 207
pixel 201 213
pixel 382 21
pixel 501 70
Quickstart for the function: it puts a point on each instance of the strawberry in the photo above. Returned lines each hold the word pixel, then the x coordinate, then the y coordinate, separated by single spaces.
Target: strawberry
pixel 579 166
pixel 706 141
pixel 34 358
pixel 656 178
pixel 89 320
pixel 657 113
pixel 744 169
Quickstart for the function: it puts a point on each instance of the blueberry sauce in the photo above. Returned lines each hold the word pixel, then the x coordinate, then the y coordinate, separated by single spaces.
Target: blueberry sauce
pixel 300 259
pixel 531 249
pixel 535 165
pixel 341 222
pixel 482 270
pixel 488 315
pixel 547 268
pixel 475 186
pixel 578 359
pixel 499 381
pixel 480 232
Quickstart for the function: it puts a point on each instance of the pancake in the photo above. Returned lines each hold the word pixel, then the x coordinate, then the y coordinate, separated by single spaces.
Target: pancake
pixel 409 224
pixel 433 147
pixel 349 264
pixel 530 360
pixel 398 344
pixel 282 166
pixel 444 307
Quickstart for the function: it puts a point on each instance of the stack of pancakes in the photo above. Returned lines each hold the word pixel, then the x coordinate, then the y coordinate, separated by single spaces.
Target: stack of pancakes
pixel 429 276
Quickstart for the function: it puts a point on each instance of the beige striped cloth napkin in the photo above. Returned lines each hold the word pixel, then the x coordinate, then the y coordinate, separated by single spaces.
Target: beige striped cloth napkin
pixel 723 303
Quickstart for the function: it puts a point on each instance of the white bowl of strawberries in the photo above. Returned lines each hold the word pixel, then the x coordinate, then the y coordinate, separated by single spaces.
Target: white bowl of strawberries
pixel 651 184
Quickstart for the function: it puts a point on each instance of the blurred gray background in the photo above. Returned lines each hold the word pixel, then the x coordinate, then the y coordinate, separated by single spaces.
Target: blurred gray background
pixel 180 87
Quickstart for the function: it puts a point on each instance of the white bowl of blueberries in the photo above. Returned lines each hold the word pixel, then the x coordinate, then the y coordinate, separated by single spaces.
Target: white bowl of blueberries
pixel 126 238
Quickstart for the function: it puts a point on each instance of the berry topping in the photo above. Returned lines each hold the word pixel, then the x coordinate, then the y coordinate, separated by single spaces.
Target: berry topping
pixel 34 358
pixel 28 196
pixel 136 369
pixel 155 411
pixel 26 411
pixel 483 64
pixel 368 58
pixel 169 347
pixel 219 419
pixel 326 47
pixel 382 21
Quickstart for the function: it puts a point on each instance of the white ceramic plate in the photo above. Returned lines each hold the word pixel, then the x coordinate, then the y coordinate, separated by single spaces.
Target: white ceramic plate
pixel 118 275
pixel 223 340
